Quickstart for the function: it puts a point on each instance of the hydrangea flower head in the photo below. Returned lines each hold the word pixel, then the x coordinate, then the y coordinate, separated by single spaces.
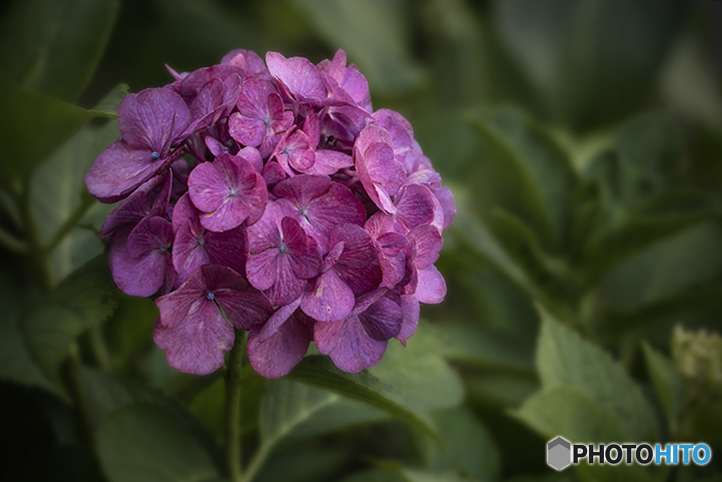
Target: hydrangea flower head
pixel 271 197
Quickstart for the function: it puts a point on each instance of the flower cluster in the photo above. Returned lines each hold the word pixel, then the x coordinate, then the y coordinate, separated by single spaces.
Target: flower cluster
pixel 270 197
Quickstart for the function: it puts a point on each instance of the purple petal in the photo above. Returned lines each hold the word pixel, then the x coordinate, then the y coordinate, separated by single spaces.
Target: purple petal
pixel 328 298
pixel 415 205
pixel 304 258
pixel 431 287
pixel 206 187
pixel 151 234
pixel 287 286
pixel 131 210
pixel 329 162
pixel 153 119
pixel 382 320
pixel 358 266
pixel 276 356
pixel 278 318
pixel 174 306
pixel 141 276
pixel 196 345
pixel 119 169
pixel 411 310
pixel 348 345
pixel 446 199
pixel 428 244
pixel 243 305
pixel 262 268
pixel 298 75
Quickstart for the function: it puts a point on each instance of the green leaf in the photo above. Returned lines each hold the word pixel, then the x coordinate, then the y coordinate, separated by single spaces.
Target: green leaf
pixel 319 371
pixel 667 384
pixel 372 34
pixel 54 46
pixel 412 369
pixel 567 411
pixel 35 125
pixel 532 175
pixel 138 443
pixel 16 363
pixel 565 360
pixel 82 299
pixel 579 54
pixel 305 464
pixel 468 450
pixel 500 391
pixel 291 410
pixel 485 347
pixel 681 263
pixel 58 196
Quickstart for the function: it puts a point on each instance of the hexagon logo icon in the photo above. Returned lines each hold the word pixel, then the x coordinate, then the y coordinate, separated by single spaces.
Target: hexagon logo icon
pixel 559 453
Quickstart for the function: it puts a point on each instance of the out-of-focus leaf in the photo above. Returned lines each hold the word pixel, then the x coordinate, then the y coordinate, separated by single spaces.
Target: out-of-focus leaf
pixel 319 371
pixel 294 410
pixel 412 369
pixel 667 384
pixel 533 175
pixel 459 50
pixel 565 360
pixel 591 62
pixel 82 299
pixel 372 33
pixel 661 217
pixel 58 193
pixel 54 46
pixel 34 126
pixel 669 267
pixel 485 347
pixel 140 442
pixel 469 449
pixel 304 464
pixel 500 391
pixel 569 412
pixel 374 475
pixel 409 474
pixel 16 363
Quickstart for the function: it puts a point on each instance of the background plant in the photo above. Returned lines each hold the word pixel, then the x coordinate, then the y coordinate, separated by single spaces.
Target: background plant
pixel 584 142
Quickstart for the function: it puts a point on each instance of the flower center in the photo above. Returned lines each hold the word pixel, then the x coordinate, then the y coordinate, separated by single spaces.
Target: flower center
pixel 283 248
pixel 201 241
pixel 162 249
pixel 304 211
pixel 266 121
pixel 233 192
pixel 155 155
pixel 210 296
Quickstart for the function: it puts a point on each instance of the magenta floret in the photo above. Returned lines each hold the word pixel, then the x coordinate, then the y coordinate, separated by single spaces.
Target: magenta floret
pixel 271 197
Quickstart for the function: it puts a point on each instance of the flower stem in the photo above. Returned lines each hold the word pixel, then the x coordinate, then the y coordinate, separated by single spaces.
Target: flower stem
pixel 233 407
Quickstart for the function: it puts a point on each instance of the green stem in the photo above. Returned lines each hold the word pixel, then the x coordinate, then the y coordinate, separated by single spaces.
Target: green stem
pixel 233 407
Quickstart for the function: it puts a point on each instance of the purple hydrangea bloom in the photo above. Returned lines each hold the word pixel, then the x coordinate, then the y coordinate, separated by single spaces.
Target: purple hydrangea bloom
pixel 246 186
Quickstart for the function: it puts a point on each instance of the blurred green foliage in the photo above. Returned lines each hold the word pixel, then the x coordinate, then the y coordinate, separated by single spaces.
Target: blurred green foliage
pixel 583 142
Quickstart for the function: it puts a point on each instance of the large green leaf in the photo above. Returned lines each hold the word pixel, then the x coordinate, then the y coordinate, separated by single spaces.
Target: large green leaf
pixel 33 126
pixel 372 33
pixel 138 443
pixel 81 300
pixel 468 450
pixel 54 46
pixel 567 411
pixel 291 410
pixel 410 370
pixel 319 371
pixel 590 61
pixel 565 360
pixel 532 175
